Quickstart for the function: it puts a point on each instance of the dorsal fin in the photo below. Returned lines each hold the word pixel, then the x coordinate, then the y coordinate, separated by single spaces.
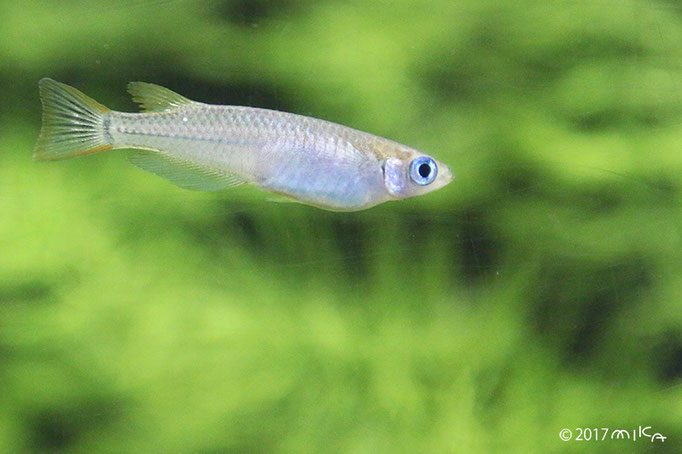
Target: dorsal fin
pixel 183 173
pixel 155 98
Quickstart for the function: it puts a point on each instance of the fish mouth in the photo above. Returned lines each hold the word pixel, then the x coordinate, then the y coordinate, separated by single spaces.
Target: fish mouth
pixel 443 178
pixel 447 174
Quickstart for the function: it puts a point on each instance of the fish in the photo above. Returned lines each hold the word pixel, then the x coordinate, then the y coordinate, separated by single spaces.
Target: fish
pixel 210 147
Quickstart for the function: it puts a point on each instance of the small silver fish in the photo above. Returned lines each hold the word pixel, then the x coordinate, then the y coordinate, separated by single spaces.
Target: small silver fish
pixel 208 147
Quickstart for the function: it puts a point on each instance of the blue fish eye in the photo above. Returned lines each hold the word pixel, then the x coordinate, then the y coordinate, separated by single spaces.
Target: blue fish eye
pixel 423 170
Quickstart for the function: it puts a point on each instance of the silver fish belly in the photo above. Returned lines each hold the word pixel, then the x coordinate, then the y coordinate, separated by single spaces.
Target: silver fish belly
pixel 208 147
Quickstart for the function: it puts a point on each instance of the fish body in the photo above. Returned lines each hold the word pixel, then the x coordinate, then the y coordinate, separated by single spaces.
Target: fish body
pixel 209 147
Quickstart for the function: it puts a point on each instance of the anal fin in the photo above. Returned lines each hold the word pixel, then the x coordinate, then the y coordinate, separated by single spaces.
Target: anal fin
pixel 183 173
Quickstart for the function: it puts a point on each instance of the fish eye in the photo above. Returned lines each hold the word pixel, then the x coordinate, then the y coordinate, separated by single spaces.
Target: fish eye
pixel 423 170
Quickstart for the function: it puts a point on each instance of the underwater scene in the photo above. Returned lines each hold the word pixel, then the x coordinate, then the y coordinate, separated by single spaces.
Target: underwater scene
pixel 489 259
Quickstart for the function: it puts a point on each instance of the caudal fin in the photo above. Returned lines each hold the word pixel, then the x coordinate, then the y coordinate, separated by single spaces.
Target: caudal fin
pixel 73 123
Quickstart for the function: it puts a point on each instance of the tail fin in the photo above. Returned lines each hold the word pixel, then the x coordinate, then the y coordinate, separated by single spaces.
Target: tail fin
pixel 73 124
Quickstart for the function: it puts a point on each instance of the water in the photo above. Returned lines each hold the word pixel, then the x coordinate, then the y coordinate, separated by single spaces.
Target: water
pixel 540 291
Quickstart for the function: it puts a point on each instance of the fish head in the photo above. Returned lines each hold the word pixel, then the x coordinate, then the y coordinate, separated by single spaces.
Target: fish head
pixel 411 173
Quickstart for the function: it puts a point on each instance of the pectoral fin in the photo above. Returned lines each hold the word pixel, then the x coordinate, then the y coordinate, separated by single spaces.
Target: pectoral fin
pixel 183 173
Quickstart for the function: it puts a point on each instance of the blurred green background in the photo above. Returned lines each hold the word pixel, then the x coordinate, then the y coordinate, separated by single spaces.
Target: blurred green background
pixel 541 290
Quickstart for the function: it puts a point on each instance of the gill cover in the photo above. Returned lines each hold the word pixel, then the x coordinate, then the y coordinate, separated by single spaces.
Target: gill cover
pixel 394 176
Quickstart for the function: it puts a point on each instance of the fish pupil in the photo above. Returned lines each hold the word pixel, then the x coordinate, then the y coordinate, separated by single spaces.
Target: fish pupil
pixel 424 170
